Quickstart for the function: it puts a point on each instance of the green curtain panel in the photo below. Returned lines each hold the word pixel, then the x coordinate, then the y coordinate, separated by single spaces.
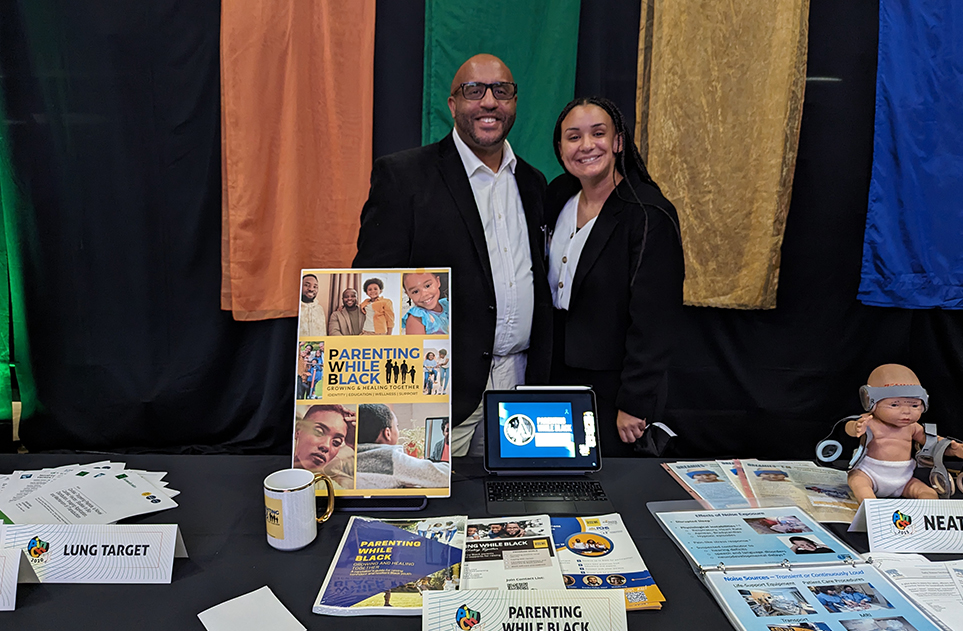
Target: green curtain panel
pixel 537 39
pixel 14 352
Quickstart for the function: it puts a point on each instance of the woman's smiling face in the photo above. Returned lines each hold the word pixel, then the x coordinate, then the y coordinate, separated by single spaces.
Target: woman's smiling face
pixel 588 144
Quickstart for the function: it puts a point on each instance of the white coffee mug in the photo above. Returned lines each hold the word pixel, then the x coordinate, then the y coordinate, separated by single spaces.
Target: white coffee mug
pixel 290 512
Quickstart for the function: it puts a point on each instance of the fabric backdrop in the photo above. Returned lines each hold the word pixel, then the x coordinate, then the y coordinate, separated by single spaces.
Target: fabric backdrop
pixel 912 254
pixel 719 109
pixel 114 128
pixel 296 90
pixel 535 38
pixel 15 371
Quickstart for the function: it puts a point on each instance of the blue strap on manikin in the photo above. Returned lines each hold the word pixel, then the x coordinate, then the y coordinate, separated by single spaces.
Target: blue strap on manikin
pixel 829 450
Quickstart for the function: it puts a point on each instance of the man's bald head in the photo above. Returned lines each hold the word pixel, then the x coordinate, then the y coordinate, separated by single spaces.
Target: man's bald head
pixel 480 65
pixel 892 375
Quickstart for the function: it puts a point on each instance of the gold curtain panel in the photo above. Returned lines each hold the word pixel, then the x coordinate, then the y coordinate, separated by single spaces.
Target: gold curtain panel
pixel 720 95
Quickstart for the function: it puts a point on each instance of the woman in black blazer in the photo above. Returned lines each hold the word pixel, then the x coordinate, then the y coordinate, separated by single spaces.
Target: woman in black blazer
pixel 616 271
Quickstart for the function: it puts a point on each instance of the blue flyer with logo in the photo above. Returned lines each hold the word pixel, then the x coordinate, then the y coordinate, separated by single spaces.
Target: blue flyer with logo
pixel 383 567
pixel 753 537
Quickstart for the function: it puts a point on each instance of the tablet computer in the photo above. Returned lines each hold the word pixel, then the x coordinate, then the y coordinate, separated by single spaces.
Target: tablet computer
pixel 541 432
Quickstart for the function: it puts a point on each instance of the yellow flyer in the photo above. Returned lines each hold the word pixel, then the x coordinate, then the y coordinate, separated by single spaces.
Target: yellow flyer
pixel 373 381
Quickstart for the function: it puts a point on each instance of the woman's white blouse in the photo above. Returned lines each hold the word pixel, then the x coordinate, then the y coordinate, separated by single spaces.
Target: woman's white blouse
pixel 564 251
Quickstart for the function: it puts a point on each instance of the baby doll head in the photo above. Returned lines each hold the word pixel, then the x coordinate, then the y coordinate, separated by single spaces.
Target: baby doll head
pixel 894 395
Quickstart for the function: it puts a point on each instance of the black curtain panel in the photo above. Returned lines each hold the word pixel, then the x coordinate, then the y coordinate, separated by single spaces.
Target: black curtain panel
pixel 114 115
pixel 114 119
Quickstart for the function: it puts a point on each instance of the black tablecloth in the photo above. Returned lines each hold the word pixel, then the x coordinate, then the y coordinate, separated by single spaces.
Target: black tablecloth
pixel 221 516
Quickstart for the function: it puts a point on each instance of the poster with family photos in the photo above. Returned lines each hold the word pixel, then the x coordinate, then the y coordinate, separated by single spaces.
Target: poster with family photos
pixel 373 381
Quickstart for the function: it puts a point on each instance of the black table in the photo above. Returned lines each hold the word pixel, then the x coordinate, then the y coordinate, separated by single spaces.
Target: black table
pixel 221 516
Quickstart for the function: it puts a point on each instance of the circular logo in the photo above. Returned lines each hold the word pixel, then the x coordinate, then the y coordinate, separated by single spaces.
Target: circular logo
pixel 519 429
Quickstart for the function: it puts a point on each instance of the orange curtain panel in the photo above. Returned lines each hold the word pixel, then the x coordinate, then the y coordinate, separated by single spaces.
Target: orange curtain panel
pixel 720 95
pixel 296 115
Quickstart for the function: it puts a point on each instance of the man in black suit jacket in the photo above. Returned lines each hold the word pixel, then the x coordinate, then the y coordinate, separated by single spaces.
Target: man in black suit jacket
pixel 423 211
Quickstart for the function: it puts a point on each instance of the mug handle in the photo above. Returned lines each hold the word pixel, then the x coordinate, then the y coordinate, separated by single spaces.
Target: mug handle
pixel 328 483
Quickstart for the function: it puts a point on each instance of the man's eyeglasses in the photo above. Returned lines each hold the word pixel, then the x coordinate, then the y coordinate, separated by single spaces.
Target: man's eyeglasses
pixel 475 90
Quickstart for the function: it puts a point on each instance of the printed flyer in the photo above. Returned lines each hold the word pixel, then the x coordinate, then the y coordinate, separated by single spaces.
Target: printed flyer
pixel 515 553
pixel 372 390
pixel 937 588
pixel 753 537
pixel 824 491
pixel 384 566
pixel 598 553
pixel 709 482
pixel 825 598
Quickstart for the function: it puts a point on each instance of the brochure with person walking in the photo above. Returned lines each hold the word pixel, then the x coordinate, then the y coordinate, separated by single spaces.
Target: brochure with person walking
pixel 777 569
pixel 372 388
pixel 384 566
pixel 598 553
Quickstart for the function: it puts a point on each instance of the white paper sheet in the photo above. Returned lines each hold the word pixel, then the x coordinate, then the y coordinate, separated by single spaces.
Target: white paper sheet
pixel 255 611
pixel 932 585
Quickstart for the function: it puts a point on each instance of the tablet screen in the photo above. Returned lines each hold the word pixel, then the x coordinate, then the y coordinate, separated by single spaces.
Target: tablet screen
pixel 541 431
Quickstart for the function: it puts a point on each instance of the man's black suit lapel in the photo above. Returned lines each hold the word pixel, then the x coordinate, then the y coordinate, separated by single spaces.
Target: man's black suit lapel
pixel 454 176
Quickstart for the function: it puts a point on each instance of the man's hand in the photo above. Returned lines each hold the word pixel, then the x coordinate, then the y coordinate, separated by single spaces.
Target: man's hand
pixel 630 427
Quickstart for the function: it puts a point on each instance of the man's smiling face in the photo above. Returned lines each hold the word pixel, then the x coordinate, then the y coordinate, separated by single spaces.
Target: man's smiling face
pixel 485 123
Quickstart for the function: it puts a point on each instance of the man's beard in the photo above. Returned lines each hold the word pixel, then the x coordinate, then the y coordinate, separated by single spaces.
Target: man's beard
pixel 466 124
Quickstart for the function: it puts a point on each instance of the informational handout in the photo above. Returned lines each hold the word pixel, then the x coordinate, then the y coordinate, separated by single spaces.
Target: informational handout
pixel 384 566
pixel 598 553
pixel 83 496
pixel 514 553
pixel 823 491
pixel 826 598
pixel 709 482
pixel 935 587
pixel 753 537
